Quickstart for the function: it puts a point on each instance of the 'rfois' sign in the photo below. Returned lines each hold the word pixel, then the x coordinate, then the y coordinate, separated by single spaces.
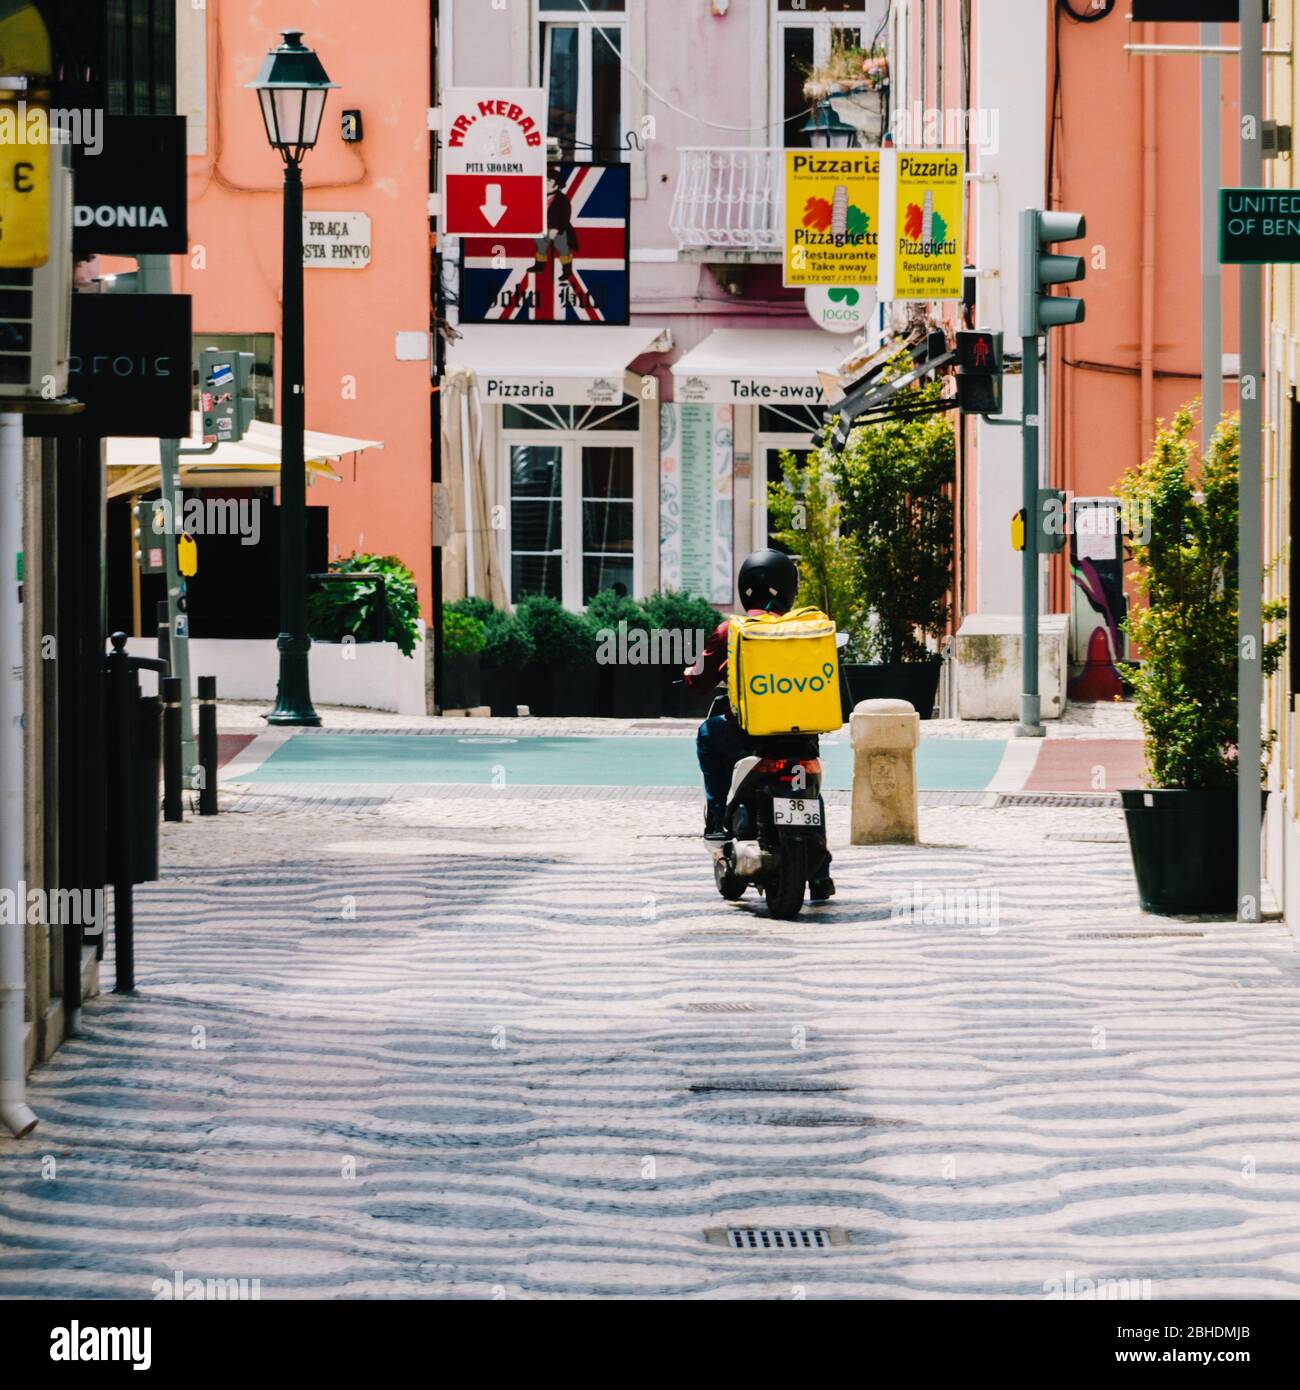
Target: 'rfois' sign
pixel 130 195
pixel 130 363
pixel 335 240
pixel 576 273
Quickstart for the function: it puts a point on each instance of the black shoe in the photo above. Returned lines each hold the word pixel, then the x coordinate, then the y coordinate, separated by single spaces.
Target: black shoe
pixel 714 825
pixel 821 890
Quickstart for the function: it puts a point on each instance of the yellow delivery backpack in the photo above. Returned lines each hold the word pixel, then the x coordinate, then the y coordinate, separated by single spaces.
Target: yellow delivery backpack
pixel 783 673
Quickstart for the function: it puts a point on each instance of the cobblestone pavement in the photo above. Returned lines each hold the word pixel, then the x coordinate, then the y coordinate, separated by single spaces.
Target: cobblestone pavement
pixel 518 1047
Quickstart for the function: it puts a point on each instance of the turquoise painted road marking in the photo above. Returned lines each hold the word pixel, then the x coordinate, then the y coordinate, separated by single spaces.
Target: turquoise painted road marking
pixel 943 764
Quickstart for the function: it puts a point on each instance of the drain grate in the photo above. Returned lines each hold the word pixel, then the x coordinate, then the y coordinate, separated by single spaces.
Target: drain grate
pixel 1090 837
pixel 774 1238
pixel 720 1006
pixel 1130 935
pixel 1057 799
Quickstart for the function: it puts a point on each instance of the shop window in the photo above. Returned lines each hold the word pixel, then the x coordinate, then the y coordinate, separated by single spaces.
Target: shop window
pixel 582 48
pixel 262 346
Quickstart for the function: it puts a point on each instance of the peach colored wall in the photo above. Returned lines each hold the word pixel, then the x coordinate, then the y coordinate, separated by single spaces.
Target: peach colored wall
pixel 1098 428
pixel 380 57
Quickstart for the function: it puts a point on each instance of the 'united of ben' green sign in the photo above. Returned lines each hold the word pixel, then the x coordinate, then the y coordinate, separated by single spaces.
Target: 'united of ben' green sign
pixel 1259 226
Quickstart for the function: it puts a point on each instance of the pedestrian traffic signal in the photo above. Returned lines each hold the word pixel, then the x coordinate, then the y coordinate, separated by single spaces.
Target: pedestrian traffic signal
pixel 1053 505
pixel 1040 269
pixel 979 371
pixel 149 530
pixel 226 394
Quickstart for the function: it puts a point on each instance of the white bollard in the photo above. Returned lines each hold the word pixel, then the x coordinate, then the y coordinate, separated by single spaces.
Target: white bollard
pixel 885 736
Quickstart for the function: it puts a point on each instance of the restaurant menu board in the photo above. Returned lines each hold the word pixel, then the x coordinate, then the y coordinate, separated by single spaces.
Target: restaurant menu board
pixel 695 501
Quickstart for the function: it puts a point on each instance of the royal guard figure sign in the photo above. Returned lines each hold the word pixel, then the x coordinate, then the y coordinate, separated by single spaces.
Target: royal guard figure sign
pixel 494 162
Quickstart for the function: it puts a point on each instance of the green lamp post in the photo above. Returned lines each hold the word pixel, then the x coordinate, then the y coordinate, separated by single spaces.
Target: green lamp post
pixel 292 86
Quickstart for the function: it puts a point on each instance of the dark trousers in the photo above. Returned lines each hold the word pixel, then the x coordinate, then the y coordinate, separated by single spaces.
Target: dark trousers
pixel 720 745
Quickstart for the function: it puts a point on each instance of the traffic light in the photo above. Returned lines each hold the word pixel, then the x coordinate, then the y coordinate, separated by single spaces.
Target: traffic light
pixel 149 530
pixel 1052 520
pixel 225 390
pixel 1040 269
pixel 979 371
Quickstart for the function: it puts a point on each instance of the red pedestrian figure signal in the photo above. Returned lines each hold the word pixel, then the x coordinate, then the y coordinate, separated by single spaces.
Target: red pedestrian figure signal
pixel 980 355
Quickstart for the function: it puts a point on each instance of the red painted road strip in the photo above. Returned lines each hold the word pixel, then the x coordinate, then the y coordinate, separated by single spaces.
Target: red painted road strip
pixel 1087 765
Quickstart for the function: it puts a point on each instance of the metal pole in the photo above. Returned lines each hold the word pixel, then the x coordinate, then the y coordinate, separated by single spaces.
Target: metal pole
pixel 208 744
pixel 15 1113
pixel 1211 276
pixel 123 868
pixel 435 396
pixel 293 694
pixel 1031 725
pixel 1250 685
pixel 169 687
pixel 165 633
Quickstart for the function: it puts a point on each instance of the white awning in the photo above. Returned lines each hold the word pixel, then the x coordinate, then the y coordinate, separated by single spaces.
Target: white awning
pixel 550 364
pixel 735 366
pixel 134 465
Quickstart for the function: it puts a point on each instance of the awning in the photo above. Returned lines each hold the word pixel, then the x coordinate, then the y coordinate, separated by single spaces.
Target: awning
pixel 550 364
pixel 134 465
pixel 734 366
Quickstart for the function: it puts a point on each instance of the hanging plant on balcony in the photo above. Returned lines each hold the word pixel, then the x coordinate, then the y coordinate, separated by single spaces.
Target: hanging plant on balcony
pixel 849 69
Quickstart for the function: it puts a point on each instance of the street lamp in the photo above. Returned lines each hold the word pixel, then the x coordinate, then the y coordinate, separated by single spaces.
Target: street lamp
pixel 291 87
pixel 827 131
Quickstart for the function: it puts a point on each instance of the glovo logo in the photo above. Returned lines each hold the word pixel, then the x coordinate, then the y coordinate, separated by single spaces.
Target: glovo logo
pixel 788 685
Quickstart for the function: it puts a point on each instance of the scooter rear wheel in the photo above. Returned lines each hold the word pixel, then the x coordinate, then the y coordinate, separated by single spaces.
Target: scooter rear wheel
pixel 784 890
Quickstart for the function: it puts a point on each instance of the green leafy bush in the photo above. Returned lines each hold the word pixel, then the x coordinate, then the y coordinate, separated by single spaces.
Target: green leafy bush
pixel 479 608
pixel 609 608
pixel 461 634
pixel 508 644
pixel 895 482
pixel 805 515
pixel 563 640
pixel 337 610
pixel 1182 508
pixel 673 610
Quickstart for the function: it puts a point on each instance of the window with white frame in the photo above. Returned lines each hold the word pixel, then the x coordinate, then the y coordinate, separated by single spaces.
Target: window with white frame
pixel 781 429
pixel 574 502
pixel 583 51
pixel 804 34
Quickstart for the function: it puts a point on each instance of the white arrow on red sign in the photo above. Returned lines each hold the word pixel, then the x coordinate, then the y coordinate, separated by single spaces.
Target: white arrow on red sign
pixel 494 162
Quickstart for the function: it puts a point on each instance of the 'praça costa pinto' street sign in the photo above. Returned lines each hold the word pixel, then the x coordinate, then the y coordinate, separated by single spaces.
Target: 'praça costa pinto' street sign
pixel 1259 226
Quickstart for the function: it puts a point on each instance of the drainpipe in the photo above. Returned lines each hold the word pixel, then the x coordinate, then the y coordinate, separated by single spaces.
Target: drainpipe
pixel 14 1110
pixel 1148 330
pixel 467 472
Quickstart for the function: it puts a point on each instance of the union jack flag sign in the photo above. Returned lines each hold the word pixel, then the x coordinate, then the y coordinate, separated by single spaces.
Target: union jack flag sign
pixel 577 273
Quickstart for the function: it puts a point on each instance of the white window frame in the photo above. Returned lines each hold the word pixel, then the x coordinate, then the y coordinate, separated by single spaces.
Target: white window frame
pixel 824 26
pixel 587 22
pixel 571 443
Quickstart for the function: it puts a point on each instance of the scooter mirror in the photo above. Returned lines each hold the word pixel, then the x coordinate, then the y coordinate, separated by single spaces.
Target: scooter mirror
pixel 841 640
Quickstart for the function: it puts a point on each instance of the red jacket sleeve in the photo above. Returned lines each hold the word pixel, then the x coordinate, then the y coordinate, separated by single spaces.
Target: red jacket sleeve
pixel 715 659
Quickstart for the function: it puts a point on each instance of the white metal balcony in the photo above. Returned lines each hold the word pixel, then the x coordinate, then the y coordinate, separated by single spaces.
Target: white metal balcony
pixel 725 204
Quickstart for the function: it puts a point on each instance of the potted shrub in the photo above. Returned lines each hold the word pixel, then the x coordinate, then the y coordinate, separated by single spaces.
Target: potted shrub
pixel 895 483
pixel 561 678
pixel 805 520
pixel 679 626
pixel 463 639
pixel 1181 509
pixel 340 609
pixel 507 649
pixel 629 677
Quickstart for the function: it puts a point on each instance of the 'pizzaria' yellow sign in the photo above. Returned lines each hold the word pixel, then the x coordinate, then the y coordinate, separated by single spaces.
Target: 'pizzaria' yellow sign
pixel 831 212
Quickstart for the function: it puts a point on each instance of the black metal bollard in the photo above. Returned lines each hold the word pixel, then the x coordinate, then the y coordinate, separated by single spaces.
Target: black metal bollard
pixel 164 633
pixel 125 690
pixel 208 745
pixel 170 689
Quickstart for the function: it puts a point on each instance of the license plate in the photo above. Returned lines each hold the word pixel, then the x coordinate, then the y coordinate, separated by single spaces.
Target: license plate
pixel 788 810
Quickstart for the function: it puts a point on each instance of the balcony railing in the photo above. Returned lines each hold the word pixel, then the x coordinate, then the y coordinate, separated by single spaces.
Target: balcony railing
pixel 727 199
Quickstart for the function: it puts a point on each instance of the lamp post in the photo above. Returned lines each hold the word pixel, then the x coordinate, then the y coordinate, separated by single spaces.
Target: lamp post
pixel 291 87
pixel 826 130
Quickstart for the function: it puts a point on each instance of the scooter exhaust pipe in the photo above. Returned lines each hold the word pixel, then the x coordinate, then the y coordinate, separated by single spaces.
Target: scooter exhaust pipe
pixel 748 860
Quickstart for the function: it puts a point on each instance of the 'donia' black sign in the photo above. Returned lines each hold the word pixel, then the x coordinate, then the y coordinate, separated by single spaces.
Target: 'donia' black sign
pixel 129 188
pixel 131 365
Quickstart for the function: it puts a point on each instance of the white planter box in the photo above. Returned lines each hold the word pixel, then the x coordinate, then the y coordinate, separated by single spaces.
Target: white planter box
pixel 988 660
pixel 367 675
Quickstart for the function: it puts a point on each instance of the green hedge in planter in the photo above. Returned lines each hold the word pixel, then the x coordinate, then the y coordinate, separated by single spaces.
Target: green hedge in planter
pixel 338 609
pixel 562 640
pixel 462 635
pixel 1182 507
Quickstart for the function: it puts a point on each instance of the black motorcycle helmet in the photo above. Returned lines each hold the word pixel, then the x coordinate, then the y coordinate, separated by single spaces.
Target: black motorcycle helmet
pixel 768 579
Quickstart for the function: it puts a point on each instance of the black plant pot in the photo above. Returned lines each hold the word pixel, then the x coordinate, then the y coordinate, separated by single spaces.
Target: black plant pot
pixel 1184 847
pixel 630 692
pixel 917 682
pixel 499 688
pixel 553 693
pixel 460 680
